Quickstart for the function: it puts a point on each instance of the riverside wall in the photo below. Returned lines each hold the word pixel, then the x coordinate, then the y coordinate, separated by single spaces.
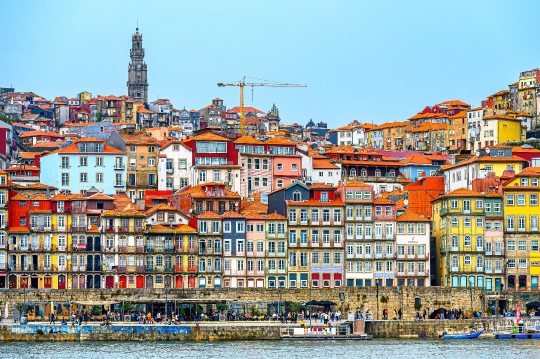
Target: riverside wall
pixel 151 333
pixel 358 298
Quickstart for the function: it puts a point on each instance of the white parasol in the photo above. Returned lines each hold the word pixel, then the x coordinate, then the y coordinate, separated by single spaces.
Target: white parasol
pixel 6 311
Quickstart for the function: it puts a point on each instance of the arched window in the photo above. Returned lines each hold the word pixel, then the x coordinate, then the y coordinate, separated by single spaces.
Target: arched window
pixel 377 173
pixel 391 173
pixel 344 173
pixel 297 196
pixel 363 172
pixel 137 44
pixel 467 260
pixel 150 261
pixel 353 172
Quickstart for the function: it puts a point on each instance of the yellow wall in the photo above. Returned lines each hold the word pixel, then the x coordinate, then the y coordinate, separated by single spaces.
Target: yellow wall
pixel 508 130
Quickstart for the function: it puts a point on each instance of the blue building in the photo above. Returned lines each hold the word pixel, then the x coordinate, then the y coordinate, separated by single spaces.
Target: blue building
pixel 277 200
pixel 234 250
pixel 420 165
pixel 84 163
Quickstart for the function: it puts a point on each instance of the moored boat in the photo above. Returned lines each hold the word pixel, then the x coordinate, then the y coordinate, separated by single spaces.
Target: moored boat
pixel 472 335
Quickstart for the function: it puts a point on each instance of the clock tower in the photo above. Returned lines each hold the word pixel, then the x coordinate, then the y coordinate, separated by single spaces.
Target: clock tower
pixel 137 83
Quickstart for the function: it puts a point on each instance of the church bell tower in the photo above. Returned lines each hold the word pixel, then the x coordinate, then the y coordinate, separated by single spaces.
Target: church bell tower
pixel 137 83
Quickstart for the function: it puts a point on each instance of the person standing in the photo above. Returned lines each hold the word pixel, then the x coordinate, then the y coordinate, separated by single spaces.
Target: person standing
pixel 51 318
pixel 400 314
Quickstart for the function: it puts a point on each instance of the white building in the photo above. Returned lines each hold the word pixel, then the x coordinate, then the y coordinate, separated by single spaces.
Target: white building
pixel 412 250
pixel 178 161
pixel 474 128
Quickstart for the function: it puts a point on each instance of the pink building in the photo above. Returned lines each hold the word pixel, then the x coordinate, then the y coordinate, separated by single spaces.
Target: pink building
pixel 255 250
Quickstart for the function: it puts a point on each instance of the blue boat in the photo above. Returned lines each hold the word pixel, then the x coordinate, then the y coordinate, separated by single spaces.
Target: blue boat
pixel 473 335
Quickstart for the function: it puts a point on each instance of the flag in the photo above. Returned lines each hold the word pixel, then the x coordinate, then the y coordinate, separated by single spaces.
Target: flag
pixel 518 313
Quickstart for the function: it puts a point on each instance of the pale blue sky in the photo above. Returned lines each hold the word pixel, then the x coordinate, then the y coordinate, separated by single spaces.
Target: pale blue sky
pixel 373 61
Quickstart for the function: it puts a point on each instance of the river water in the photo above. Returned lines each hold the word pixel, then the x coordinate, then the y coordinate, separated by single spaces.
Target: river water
pixel 377 348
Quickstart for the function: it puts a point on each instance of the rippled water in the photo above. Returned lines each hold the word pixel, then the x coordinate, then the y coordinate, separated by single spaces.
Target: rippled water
pixel 484 348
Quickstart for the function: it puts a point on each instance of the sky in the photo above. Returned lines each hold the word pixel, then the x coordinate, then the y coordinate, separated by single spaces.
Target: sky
pixel 371 61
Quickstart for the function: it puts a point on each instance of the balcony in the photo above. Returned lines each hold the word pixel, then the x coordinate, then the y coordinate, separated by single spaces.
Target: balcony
pixel 149 249
pixel 170 170
pixel 62 248
pixel 168 269
pixel 122 249
pixel 78 229
pixel 179 269
pixel 121 269
pixel 192 269
pixel 149 269
pixel 443 212
pixel 119 166
pixel 139 249
pixel 168 249
pixel 192 249
pixel 139 269
pixel 110 249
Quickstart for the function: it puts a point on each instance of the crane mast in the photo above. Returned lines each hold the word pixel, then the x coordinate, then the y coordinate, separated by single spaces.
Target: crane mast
pixel 242 83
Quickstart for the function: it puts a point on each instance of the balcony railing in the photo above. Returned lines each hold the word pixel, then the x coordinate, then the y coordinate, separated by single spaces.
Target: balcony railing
pixel 121 269
pixel 139 249
pixel 149 249
pixel 149 269
pixel 139 269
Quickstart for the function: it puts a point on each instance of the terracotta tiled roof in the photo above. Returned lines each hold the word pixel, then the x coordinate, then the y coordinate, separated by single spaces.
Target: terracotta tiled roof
pixel 247 109
pixel 40 133
pixel 416 159
pixel 312 202
pixel 21 168
pixel 232 214
pixel 381 200
pixel 323 164
pixel 487 158
pixel 160 207
pixel 100 196
pixel 60 197
pixel 530 172
pixel 122 203
pixel 30 155
pixel 209 215
pixel 409 216
pixel 255 206
pixel 276 217
pixel 321 186
pixel 494 194
pixel 459 164
pixel 425 127
pixel 280 141
pixel 199 192
pixel 18 197
pixel 501 117
pixel 77 197
pixel 159 228
pixel 40 197
pixel 184 228
pixel 209 136
pixel 139 138
pixel 463 192
pixel 249 140
pixel 254 215
pixel 357 184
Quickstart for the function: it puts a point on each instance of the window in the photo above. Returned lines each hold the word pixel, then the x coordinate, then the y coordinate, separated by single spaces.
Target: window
pixel 509 223
pixel 479 204
pixel 466 222
pixel 466 205
pixel 65 162
pixel 84 177
pixel 479 222
pixel 467 260
pixel 534 223
pixel 454 222
pixel 497 207
pixel 533 200
pixel 279 167
pixel 509 199
pixel 511 263
pixel 83 161
pixel 294 167
pixel 467 241
pixel 522 245
pixel 65 179
pixel 522 263
pixel 521 199
pixel 511 245
pixel 279 183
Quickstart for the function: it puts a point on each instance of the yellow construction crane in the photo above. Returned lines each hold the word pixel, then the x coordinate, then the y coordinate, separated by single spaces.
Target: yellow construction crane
pixel 242 83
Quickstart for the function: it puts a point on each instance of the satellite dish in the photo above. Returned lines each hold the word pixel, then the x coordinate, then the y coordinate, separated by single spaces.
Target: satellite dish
pixel 488 150
pixel 477 153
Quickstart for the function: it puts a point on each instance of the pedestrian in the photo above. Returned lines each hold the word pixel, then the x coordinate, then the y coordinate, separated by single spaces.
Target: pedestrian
pixel 400 314
pixel 86 318
pixel 51 318
pixel 424 314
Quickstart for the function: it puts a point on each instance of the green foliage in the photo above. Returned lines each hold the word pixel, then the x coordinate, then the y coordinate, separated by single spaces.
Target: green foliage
pixel 128 307
pixel 221 307
pixel 295 307
pixel 489 310
pixel 5 119
pixel 22 307
pixel 384 299
pixel 98 117
pixel 417 306
pixel 182 312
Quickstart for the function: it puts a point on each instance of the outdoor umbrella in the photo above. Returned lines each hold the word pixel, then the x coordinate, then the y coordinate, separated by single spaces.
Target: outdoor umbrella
pixel 6 313
pixel 533 304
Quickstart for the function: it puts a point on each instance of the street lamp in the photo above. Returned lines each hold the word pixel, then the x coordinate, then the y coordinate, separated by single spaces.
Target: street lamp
pixel 310 305
pixel 166 300
pixel 471 283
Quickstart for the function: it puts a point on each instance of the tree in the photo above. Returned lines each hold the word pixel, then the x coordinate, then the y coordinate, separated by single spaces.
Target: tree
pixel 5 119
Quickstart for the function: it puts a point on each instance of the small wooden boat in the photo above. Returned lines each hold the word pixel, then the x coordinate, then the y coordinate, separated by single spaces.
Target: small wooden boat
pixel 473 335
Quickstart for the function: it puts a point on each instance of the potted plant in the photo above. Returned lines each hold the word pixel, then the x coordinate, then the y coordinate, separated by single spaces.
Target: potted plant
pixel 182 314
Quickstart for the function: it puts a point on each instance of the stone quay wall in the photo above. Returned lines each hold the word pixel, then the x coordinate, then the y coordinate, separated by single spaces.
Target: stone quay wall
pixel 358 298
pixel 432 328
pixel 151 333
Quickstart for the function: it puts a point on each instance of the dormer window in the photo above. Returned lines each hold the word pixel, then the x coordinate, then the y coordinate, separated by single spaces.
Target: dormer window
pixel 324 197
pixel 84 147
pixel 297 196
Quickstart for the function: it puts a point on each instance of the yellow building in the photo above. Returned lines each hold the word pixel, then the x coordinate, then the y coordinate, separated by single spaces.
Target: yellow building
pixel 520 200
pixel 3 226
pixel 458 226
